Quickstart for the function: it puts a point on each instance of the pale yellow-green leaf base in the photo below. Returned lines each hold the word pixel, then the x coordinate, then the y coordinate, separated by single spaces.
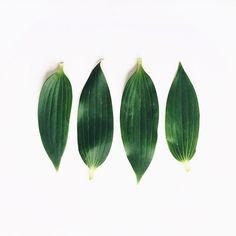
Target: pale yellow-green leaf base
pixel 91 172
pixel 186 166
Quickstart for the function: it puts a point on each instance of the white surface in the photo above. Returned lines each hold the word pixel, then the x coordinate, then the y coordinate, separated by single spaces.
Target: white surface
pixel 35 200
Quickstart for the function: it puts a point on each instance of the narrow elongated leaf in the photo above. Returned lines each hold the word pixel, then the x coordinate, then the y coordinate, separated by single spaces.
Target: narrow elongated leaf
pixel 182 118
pixel 95 121
pixel 54 113
pixel 139 116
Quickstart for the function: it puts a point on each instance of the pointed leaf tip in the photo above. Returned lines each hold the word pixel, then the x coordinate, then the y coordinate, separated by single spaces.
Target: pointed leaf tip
pixel 100 60
pixel 181 68
pixel 98 65
pixel 138 178
pixel 56 166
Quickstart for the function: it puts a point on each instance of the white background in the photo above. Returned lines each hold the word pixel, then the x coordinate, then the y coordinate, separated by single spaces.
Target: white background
pixel 34 37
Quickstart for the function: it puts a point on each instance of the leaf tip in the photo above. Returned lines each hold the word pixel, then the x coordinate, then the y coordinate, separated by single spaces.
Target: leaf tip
pixel 180 67
pixel 99 63
pixel 138 177
pixel 56 162
pixel 56 166
pixel 100 60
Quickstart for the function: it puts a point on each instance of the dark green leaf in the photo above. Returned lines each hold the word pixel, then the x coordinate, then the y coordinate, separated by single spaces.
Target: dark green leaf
pixel 54 113
pixel 139 120
pixel 182 117
pixel 95 120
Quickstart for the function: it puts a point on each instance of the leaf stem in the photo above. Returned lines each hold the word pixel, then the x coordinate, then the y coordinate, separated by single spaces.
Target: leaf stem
pixel 91 172
pixel 139 62
pixel 186 166
pixel 60 68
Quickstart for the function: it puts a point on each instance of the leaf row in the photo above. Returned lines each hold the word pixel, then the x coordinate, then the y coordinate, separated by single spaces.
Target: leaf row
pixel 139 116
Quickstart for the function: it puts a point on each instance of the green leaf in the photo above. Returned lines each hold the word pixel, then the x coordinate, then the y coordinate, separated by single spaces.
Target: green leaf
pixel 95 121
pixel 139 117
pixel 54 113
pixel 182 118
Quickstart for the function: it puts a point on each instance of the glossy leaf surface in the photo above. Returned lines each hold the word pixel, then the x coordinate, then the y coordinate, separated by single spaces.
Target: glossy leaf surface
pixel 139 116
pixel 54 113
pixel 95 120
pixel 182 117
